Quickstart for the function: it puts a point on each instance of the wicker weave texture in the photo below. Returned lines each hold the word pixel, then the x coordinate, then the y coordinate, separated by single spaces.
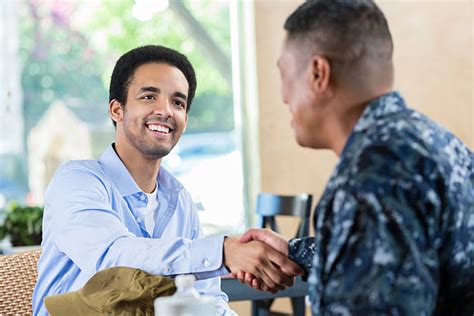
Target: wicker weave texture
pixel 18 274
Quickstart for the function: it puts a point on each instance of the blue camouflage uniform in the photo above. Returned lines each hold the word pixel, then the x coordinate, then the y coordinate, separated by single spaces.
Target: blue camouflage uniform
pixel 395 225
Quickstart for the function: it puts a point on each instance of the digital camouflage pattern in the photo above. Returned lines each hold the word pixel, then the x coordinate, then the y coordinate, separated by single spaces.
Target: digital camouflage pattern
pixel 395 225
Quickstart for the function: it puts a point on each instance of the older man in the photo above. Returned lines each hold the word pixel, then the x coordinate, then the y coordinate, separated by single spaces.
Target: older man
pixel 395 225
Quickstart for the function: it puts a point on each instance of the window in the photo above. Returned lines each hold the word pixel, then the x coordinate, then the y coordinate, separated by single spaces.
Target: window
pixel 54 82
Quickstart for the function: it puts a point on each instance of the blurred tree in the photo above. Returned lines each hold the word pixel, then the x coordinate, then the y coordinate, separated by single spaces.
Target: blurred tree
pixel 58 63
pixel 199 29
pixel 68 54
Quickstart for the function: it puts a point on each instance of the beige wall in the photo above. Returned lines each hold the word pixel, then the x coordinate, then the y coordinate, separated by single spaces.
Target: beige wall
pixel 285 167
pixel 434 60
pixel 434 71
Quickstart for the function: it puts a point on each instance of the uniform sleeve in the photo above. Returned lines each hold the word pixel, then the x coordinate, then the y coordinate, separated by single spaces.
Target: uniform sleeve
pixel 301 251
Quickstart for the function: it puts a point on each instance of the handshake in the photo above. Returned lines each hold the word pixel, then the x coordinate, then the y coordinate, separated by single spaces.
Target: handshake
pixel 259 258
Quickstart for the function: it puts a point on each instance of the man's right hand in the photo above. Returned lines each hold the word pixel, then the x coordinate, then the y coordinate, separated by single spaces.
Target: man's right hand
pixel 269 237
pixel 269 266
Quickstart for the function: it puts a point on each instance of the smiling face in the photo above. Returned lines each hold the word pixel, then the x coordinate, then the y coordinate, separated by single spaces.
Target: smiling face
pixel 154 116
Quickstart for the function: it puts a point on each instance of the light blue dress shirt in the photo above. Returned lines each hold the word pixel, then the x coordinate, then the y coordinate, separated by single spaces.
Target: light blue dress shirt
pixel 90 223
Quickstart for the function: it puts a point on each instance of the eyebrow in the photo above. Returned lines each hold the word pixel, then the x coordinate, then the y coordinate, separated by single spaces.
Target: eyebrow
pixel 157 90
pixel 149 89
pixel 181 95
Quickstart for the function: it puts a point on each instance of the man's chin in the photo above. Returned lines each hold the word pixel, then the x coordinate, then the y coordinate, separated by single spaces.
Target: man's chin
pixel 303 141
pixel 298 137
pixel 156 153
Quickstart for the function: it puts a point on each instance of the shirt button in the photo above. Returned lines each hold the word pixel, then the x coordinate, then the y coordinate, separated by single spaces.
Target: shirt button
pixel 206 263
pixel 142 197
pixel 139 219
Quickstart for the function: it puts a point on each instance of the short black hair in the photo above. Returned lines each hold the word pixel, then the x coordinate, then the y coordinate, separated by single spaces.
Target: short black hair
pixel 345 31
pixel 126 65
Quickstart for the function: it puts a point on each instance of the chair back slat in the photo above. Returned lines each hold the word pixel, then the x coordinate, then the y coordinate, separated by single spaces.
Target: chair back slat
pixel 270 221
pixel 270 205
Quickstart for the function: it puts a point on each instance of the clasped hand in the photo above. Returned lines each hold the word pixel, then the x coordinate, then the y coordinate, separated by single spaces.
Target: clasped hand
pixel 259 258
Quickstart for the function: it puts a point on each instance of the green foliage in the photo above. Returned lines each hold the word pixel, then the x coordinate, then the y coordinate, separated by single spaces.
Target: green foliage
pixel 58 64
pixel 68 50
pixel 211 113
pixel 22 224
pixel 114 22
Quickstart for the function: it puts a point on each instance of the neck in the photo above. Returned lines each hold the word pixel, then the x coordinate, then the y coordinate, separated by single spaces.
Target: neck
pixel 346 112
pixel 142 169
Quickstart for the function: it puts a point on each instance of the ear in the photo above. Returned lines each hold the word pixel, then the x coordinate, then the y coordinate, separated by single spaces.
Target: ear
pixel 320 73
pixel 116 111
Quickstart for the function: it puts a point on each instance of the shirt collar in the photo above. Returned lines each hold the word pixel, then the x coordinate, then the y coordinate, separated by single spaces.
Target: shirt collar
pixel 119 174
pixel 382 106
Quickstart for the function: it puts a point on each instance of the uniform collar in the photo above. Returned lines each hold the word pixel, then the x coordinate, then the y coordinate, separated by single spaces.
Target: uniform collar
pixel 384 105
pixel 378 108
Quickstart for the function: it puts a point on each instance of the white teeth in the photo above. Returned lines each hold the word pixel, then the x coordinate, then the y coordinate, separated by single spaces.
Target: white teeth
pixel 159 128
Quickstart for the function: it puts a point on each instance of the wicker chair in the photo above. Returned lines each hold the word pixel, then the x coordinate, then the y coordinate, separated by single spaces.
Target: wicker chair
pixel 18 276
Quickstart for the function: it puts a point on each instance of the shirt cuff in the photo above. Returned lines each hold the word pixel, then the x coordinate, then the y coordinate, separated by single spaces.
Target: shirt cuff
pixel 299 252
pixel 207 257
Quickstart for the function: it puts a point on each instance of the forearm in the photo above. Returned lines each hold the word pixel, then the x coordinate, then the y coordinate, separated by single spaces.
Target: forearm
pixel 169 256
pixel 301 251
pixel 164 256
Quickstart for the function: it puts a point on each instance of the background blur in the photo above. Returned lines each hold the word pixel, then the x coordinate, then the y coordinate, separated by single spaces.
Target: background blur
pixel 57 56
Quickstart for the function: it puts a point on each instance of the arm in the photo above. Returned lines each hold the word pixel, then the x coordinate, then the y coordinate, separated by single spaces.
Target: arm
pixel 301 251
pixel 370 264
pixel 86 226
pixel 262 261
pixel 85 223
pixel 377 249
pixel 257 257
pixel 293 249
pixel 210 286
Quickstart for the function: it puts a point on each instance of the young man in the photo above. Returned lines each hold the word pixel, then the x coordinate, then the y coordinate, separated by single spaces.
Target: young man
pixel 126 210
pixel 395 225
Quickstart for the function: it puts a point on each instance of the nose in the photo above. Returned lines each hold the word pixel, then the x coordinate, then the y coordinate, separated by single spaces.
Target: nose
pixel 163 107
